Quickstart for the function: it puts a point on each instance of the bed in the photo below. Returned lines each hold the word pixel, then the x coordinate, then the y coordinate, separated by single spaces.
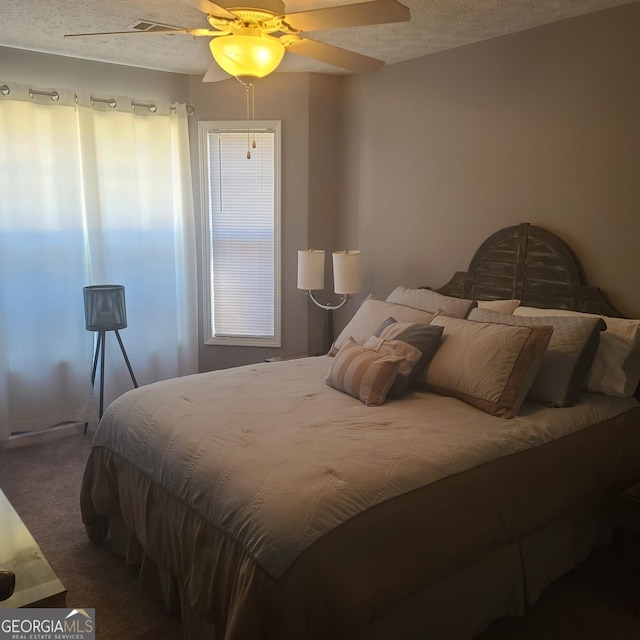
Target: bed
pixel 300 500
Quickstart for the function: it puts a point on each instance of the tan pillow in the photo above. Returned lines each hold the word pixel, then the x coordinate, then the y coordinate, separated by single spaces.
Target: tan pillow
pixel 501 306
pixel 363 373
pixel 432 301
pixel 371 314
pixel 489 366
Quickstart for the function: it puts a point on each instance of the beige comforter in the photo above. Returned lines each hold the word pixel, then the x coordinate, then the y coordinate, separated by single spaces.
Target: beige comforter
pixel 289 509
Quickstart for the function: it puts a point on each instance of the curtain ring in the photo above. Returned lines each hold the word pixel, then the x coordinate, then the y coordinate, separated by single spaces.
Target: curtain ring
pixel 111 102
pixel 152 107
pixel 54 95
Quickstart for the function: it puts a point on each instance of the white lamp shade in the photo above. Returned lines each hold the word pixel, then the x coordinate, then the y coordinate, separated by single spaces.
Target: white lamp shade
pixel 346 272
pixel 311 270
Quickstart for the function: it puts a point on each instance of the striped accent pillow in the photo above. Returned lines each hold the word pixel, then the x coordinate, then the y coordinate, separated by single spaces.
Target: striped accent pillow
pixel 363 373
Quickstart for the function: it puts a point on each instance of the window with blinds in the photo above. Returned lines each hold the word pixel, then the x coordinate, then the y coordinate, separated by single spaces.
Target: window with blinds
pixel 241 213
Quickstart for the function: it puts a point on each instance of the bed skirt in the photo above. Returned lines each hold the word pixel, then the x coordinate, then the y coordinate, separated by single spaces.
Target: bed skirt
pixel 458 607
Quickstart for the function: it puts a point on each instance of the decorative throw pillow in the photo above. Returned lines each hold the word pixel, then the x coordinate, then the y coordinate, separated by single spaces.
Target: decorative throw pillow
pixel 363 373
pixel 489 366
pixel 417 343
pixel 370 315
pixel 383 326
pixel 431 301
pixel 616 366
pixel 566 363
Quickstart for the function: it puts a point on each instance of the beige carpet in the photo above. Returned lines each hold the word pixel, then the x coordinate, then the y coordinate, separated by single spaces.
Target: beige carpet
pixel 596 601
pixel 42 483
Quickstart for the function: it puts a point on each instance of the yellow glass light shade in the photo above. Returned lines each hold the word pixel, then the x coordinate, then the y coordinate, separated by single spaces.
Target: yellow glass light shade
pixel 254 56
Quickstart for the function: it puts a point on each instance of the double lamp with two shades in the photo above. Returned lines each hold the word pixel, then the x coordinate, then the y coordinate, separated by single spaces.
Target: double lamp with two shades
pixel 346 281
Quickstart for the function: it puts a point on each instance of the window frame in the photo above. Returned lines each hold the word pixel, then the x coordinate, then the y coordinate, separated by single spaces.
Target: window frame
pixel 205 127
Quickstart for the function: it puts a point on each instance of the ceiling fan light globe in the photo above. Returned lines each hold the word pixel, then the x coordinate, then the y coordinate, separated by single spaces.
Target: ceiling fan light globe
pixel 253 56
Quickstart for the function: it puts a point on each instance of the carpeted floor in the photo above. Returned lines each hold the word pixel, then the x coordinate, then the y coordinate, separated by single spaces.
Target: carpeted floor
pixel 42 483
pixel 596 601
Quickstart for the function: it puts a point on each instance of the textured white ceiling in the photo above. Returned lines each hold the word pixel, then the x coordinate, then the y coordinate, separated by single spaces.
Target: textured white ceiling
pixel 435 25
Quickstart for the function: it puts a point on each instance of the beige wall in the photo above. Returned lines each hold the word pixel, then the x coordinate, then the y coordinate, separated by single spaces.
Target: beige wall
pixel 325 134
pixel 308 108
pixel 541 127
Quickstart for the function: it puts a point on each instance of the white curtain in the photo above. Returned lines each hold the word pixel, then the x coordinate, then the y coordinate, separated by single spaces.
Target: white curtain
pixel 91 192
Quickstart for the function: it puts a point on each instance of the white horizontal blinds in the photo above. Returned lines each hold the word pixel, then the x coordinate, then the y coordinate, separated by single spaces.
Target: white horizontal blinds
pixel 242 227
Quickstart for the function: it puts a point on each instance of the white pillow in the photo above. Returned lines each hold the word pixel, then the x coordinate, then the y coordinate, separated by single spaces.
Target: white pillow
pixel 616 366
pixel 371 314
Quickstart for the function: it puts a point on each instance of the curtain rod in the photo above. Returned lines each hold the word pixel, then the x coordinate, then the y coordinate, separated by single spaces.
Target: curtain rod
pixel 5 90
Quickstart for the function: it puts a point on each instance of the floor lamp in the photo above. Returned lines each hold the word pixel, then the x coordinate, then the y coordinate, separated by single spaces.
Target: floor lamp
pixel 105 310
pixel 346 281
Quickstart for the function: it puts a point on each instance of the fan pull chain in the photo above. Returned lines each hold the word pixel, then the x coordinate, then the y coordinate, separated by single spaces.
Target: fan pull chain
pixel 253 114
pixel 247 89
pixel 251 110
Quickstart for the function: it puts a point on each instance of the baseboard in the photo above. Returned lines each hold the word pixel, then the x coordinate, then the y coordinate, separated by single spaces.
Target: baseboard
pixel 36 437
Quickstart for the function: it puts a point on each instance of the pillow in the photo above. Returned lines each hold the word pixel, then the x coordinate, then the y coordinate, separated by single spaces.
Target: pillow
pixel 616 366
pixel 370 315
pixel 432 301
pixel 363 373
pixel 410 357
pixel 416 343
pixel 489 366
pixel 383 326
pixel 565 366
pixel 502 306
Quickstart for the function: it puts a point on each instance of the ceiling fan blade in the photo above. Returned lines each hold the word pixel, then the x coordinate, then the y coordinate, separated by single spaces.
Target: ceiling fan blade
pixel 163 32
pixel 215 73
pixel 211 9
pixel 349 15
pixel 334 55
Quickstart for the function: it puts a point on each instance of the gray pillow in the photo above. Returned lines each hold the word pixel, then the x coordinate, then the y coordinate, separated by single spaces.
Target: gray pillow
pixel 425 338
pixel 431 301
pixel 566 363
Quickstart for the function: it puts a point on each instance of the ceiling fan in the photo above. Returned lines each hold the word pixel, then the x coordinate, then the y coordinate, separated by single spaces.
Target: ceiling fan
pixel 250 42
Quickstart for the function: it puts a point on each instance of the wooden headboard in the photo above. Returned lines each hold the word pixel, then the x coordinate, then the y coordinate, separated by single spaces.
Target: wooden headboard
pixel 533 265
